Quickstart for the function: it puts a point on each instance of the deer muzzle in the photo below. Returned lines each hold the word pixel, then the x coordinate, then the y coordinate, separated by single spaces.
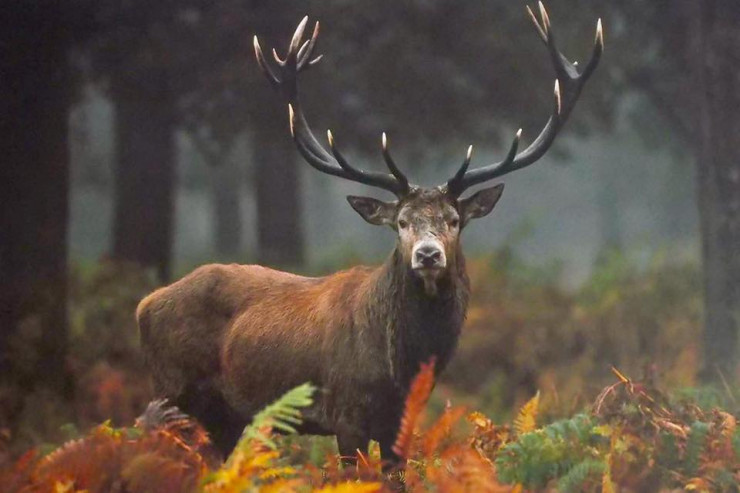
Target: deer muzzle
pixel 428 255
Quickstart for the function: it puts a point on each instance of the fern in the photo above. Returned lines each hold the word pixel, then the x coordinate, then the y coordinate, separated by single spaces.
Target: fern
pixel 252 465
pixel 736 443
pixel 351 487
pixel 284 415
pixel 549 453
pixel 526 420
pixel 668 451
pixel 694 446
pixel 574 479
pixel 440 429
pixel 413 411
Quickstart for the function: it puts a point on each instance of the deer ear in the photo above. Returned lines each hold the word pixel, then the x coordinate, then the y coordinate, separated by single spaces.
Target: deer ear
pixel 480 203
pixel 374 211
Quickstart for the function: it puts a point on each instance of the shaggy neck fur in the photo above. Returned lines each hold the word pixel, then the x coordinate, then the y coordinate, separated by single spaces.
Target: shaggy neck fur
pixel 419 326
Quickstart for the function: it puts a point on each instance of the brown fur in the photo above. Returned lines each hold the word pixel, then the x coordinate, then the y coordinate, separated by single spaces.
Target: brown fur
pixel 226 340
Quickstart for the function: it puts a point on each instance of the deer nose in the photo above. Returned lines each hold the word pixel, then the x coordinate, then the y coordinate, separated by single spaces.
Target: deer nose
pixel 428 256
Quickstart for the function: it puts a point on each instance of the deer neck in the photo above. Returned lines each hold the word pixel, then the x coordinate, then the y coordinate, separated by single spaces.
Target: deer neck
pixel 419 326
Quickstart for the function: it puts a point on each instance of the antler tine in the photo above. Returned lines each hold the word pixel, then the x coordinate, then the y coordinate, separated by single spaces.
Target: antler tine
pixel 304 54
pixel 277 58
pixel 395 171
pixel 536 23
pixel 463 180
pixel 295 42
pixel 284 79
pixel 454 183
pixel 545 17
pixel 598 50
pixel 568 86
pixel 274 81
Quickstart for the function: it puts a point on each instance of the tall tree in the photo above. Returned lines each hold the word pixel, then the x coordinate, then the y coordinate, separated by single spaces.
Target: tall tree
pixel 225 187
pixel 145 167
pixel 245 101
pixel 34 101
pixel 715 75
pixel 683 58
pixel 140 51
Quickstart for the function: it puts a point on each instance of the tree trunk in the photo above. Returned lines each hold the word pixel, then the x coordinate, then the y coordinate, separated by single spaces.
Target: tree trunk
pixel 275 165
pixel 145 172
pixel 34 103
pixel 716 88
pixel 226 206
pixel 279 233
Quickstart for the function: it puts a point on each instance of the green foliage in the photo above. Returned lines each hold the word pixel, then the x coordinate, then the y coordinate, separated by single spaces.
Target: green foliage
pixel 694 446
pixel 282 415
pixel 552 452
pixel 634 439
pixel 524 333
pixel 575 479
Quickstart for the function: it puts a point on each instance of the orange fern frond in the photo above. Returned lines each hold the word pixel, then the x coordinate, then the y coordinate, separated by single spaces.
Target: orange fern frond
pixel 351 487
pixel 526 420
pixel 464 469
pixel 13 477
pixel 416 401
pixel 487 437
pixel 155 461
pixel 440 429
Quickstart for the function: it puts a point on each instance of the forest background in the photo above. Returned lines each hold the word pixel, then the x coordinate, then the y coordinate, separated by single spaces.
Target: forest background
pixel 139 140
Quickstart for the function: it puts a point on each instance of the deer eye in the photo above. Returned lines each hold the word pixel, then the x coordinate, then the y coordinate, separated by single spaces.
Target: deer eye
pixel 454 222
pixel 403 224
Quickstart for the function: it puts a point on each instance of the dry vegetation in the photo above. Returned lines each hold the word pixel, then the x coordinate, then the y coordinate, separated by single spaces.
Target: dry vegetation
pixel 634 438
pixel 589 428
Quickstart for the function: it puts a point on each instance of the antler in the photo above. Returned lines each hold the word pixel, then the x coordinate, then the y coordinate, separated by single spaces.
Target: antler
pixel 568 86
pixel 297 59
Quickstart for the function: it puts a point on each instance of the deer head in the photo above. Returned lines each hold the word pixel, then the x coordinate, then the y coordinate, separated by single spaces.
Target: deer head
pixel 428 220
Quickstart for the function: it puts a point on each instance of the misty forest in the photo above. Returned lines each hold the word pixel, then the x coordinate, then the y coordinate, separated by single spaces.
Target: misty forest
pixel 582 337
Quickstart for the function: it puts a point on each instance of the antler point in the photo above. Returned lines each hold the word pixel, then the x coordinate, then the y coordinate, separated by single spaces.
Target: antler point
pixel 384 141
pixel 599 33
pixel 297 35
pixel 291 117
pixel 545 17
pixel 330 138
pixel 470 151
pixel 519 134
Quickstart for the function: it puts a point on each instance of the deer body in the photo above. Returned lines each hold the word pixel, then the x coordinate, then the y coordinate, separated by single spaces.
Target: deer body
pixel 226 340
pixel 359 335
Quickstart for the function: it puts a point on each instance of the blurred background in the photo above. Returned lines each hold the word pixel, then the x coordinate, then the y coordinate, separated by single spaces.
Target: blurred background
pixel 139 140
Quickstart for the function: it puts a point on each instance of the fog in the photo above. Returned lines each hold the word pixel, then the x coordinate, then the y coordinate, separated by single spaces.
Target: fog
pixel 560 212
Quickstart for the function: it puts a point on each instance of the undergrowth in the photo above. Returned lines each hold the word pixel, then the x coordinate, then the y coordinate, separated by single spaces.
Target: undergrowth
pixel 524 333
pixel 632 438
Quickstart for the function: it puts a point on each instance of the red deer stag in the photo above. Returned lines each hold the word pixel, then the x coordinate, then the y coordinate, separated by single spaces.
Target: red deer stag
pixel 226 340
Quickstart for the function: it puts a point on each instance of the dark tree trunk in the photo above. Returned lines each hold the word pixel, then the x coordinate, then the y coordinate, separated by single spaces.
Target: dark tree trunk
pixel 275 163
pixel 145 172
pixel 715 58
pixel 34 104
pixel 279 234
pixel 227 213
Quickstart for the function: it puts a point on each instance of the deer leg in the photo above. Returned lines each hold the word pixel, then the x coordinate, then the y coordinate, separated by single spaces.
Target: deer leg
pixel 208 406
pixel 349 442
pixel 391 461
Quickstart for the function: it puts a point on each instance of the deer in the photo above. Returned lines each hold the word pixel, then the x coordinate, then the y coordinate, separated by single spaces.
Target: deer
pixel 226 340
